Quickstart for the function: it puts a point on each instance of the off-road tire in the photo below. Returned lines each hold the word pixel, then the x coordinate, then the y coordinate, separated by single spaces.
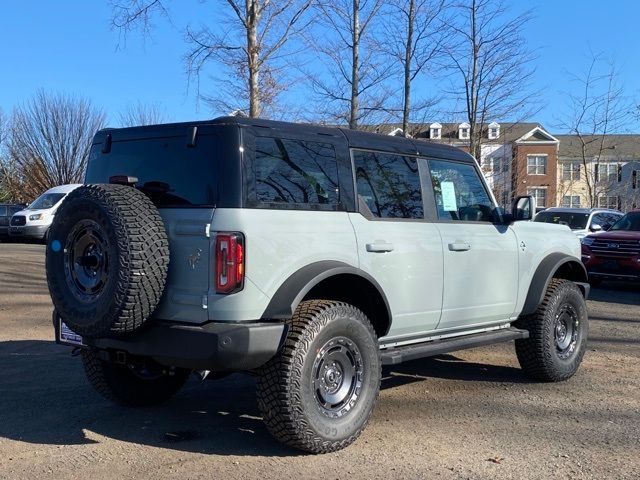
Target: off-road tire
pixel 120 385
pixel 136 259
pixel 539 355
pixel 286 395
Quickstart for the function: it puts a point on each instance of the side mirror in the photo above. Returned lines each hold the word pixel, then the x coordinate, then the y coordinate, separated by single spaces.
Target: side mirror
pixel 595 227
pixel 523 208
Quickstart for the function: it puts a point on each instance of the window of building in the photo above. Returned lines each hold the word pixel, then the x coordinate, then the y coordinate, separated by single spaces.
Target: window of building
pixel 571 171
pixel 571 201
pixel 610 201
pixel 608 172
pixel 540 195
pixel 295 172
pixel 435 131
pixel 388 184
pixel 494 165
pixel 494 131
pixel 463 131
pixel 459 192
pixel 537 165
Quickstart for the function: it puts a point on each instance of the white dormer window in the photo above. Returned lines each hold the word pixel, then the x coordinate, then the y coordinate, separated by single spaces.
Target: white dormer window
pixel 463 131
pixel 435 131
pixel 494 131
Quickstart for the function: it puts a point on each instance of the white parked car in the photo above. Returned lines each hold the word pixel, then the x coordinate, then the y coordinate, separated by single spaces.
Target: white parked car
pixel 34 221
pixel 581 221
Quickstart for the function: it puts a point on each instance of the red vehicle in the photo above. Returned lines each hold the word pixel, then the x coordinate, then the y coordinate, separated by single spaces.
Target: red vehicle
pixel 614 254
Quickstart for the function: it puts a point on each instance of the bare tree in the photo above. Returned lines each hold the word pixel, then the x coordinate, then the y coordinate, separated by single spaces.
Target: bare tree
pixel 4 191
pixel 141 114
pixel 597 108
pixel 415 34
pixel 250 46
pixel 48 145
pixel 350 85
pixel 491 65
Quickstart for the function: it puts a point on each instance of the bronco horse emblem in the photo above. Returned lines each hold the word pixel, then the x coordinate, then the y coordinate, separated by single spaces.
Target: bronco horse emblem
pixel 194 258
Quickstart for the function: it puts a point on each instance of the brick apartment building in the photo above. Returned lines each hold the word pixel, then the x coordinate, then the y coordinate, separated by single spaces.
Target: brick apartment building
pixel 525 159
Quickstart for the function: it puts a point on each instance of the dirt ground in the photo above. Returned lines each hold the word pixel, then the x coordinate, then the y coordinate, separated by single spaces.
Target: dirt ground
pixel 471 415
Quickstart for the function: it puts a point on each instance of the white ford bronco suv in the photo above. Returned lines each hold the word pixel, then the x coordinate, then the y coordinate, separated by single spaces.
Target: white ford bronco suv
pixel 307 256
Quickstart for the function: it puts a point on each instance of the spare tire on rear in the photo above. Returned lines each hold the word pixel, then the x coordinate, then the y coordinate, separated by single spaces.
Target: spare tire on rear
pixel 107 259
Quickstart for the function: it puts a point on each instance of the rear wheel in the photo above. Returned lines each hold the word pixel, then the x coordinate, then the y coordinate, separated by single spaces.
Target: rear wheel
pixel 138 383
pixel 318 393
pixel 557 334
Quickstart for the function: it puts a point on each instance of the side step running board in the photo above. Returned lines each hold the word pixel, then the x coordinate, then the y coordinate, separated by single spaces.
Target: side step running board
pixel 395 355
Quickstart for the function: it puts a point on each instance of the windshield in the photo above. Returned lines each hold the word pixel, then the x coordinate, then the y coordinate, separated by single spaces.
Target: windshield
pixel 46 201
pixel 574 220
pixel 631 221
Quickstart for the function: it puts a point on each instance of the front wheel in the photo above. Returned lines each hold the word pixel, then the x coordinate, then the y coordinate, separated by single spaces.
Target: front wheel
pixel 557 334
pixel 138 383
pixel 318 393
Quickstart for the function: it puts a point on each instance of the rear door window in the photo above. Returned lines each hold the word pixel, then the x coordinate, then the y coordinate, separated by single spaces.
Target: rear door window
pixel 388 185
pixel 292 173
pixel 3 211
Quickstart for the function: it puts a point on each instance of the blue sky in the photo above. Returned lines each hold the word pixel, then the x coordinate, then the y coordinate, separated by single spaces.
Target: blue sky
pixel 68 46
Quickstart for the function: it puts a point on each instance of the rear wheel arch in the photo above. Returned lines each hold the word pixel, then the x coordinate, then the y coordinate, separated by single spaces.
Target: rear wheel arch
pixel 332 280
pixel 556 265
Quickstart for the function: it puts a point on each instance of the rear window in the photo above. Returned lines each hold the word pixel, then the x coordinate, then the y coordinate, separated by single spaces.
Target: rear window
pixel 169 172
pixel 295 173
pixel 574 220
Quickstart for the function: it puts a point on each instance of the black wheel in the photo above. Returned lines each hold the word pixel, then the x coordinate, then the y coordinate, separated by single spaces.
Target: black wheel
pixel 557 334
pixel 107 259
pixel 140 383
pixel 318 393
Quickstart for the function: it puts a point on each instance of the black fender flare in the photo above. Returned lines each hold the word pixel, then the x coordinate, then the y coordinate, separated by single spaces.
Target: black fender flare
pixel 546 270
pixel 286 299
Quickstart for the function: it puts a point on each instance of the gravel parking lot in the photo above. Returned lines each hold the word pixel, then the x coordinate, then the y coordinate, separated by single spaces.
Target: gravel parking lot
pixel 471 415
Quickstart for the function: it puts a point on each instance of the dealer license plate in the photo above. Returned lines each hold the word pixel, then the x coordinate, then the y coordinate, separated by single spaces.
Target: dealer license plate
pixel 68 336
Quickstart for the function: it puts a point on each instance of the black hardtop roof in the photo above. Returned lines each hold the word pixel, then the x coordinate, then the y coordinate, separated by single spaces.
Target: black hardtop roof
pixel 355 139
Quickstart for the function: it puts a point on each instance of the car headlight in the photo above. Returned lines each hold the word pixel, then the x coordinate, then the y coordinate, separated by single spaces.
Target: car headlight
pixel 588 241
pixel 37 216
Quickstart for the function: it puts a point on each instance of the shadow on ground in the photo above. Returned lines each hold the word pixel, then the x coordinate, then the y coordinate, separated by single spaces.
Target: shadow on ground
pixel 45 399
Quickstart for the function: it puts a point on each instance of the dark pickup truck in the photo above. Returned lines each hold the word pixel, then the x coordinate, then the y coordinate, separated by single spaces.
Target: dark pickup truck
pixel 614 254
pixel 6 212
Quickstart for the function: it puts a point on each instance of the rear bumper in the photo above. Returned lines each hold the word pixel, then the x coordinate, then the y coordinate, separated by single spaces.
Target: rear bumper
pixel 29 231
pixel 213 346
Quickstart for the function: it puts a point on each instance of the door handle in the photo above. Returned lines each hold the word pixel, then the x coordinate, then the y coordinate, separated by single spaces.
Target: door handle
pixel 379 247
pixel 459 246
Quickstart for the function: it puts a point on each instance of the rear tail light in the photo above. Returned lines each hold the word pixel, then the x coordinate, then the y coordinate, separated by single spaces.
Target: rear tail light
pixel 229 262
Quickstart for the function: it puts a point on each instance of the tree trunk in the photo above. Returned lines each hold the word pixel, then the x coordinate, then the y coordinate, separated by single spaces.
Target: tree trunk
pixel 407 68
pixel 253 58
pixel 355 62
